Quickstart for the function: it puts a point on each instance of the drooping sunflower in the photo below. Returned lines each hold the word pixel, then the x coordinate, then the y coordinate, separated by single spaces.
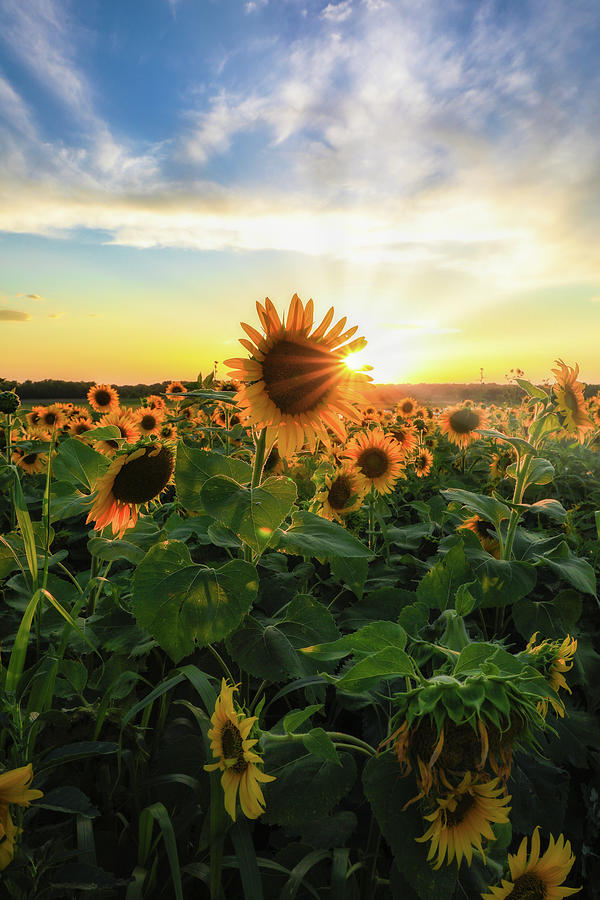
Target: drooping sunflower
pixel 459 424
pixel 557 659
pixel 342 493
pixel 571 410
pixel 103 398
pixel 175 387
pixel 539 877
pixel 406 407
pixel 125 421
pixel 132 479
pixel 486 533
pixel 463 817
pixel 378 459
pixel 148 421
pixel 296 383
pixel 232 748
pixel 14 789
pixel 423 462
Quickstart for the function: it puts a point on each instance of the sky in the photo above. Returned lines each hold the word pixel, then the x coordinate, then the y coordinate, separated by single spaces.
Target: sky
pixel 431 169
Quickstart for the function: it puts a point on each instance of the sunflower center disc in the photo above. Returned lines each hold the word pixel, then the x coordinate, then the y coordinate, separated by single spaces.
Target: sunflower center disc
pixel 81 428
pixel 49 418
pixel 528 887
pixel 462 808
pixel 571 401
pixel 373 462
pixel 102 398
pixel 407 407
pixel 148 422
pixel 143 478
pixel 463 421
pixel 339 492
pixel 231 741
pixel 298 376
pixel 30 458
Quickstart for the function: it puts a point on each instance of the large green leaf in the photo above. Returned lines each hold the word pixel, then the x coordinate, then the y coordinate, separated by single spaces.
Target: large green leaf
pixel 576 571
pixel 184 605
pixel 252 514
pixel 487 508
pixel 502 581
pixel 552 619
pixel 195 466
pixel 390 662
pixel 312 535
pixel 75 461
pixel 388 793
pixel 367 640
pixel 438 587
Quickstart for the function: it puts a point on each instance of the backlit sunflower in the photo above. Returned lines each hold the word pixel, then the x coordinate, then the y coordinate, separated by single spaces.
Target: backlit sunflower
pixel 557 659
pixel 464 816
pixel 459 423
pixel 14 789
pixel 33 463
pixel 33 418
pixel 342 494
pixel 296 383
pixel 571 410
pixel 154 401
pixel 377 458
pixel 167 432
pixel 50 418
pixel 148 421
pixel 174 388
pixel 423 462
pixel 406 407
pixel 103 398
pixel 125 421
pixel 132 479
pixel 486 533
pixel 406 436
pixel 232 748
pixel 78 426
pixel 539 877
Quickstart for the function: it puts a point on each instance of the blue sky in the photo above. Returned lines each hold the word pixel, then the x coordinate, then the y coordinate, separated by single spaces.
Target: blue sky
pixel 431 169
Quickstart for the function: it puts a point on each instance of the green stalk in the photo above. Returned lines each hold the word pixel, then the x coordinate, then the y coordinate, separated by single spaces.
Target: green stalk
pixel 522 472
pixel 259 459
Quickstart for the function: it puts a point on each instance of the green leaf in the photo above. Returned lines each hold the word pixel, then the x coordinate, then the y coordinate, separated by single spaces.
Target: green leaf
pixel 552 619
pixel 104 433
pixel 68 799
pixel 438 587
pixel 365 641
pixel 535 392
pixel 523 447
pixel 313 536
pixel 252 514
pixel 388 663
pixel 78 750
pixel 106 550
pixel 352 572
pixel 502 581
pixel 195 466
pixel 472 656
pixel 487 508
pixel 540 471
pixel 75 461
pixel 576 571
pixel 465 602
pixel 388 794
pixel 549 507
pixel 184 605
pixel 318 742
pixel 297 717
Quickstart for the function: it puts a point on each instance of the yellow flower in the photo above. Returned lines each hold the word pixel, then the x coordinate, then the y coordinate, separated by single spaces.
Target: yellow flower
pixel 341 495
pixel 103 398
pixel 571 403
pixel 485 532
pixel 559 660
pixel 463 817
pixel 175 387
pixel 459 423
pixel 538 876
pixel 231 746
pixel 378 459
pixel 14 788
pixel 132 479
pixel 296 382
pixel 423 462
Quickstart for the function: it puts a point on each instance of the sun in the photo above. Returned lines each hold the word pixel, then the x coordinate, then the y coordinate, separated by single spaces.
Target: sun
pixel 357 362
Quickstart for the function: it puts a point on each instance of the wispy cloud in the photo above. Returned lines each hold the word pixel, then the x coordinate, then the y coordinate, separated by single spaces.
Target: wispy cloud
pixel 35 297
pixel 337 12
pixel 58 315
pixel 13 315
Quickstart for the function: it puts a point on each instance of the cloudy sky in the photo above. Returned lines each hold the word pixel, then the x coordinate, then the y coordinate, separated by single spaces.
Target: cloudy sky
pixel 429 168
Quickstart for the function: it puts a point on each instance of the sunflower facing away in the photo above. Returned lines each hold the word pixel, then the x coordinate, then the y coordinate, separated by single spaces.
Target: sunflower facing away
pixel 14 789
pixel 378 459
pixel 571 403
pixel 463 817
pixel 132 479
pixel 558 659
pixel 342 494
pixel 103 398
pixel 232 749
pixel 296 383
pixel 459 424
pixel 539 877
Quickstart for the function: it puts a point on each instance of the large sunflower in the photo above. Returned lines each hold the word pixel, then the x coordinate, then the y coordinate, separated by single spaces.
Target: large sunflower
pixel 459 423
pixel 296 382
pixel 570 400
pixel 342 494
pixel 103 398
pixel 378 459
pixel 14 789
pixel 539 877
pixel 132 479
pixel 463 817
pixel 232 749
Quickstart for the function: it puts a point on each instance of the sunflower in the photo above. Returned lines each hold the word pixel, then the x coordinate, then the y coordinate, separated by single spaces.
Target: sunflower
pixel 463 816
pixel 571 410
pixel 406 436
pixel 485 532
pixel 167 432
pixel 423 462
pixel 378 459
pixel 103 398
pixel 78 426
pixel 558 659
pixel 459 423
pixel 539 877
pixel 406 407
pixel 342 494
pixel 33 462
pixel 131 480
pixel 175 387
pixel 125 421
pixel 154 401
pixel 33 417
pixel 148 421
pixel 50 418
pixel 231 748
pixel 296 383
pixel 14 789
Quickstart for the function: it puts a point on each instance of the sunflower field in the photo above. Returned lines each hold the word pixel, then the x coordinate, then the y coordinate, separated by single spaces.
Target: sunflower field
pixel 262 640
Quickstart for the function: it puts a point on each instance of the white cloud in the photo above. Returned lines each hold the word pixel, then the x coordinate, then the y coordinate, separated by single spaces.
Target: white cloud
pixel 337 12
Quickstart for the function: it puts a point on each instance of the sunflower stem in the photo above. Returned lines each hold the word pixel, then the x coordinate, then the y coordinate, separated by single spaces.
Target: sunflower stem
pixel 222 663
pixel 371 528
pixel 259 458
